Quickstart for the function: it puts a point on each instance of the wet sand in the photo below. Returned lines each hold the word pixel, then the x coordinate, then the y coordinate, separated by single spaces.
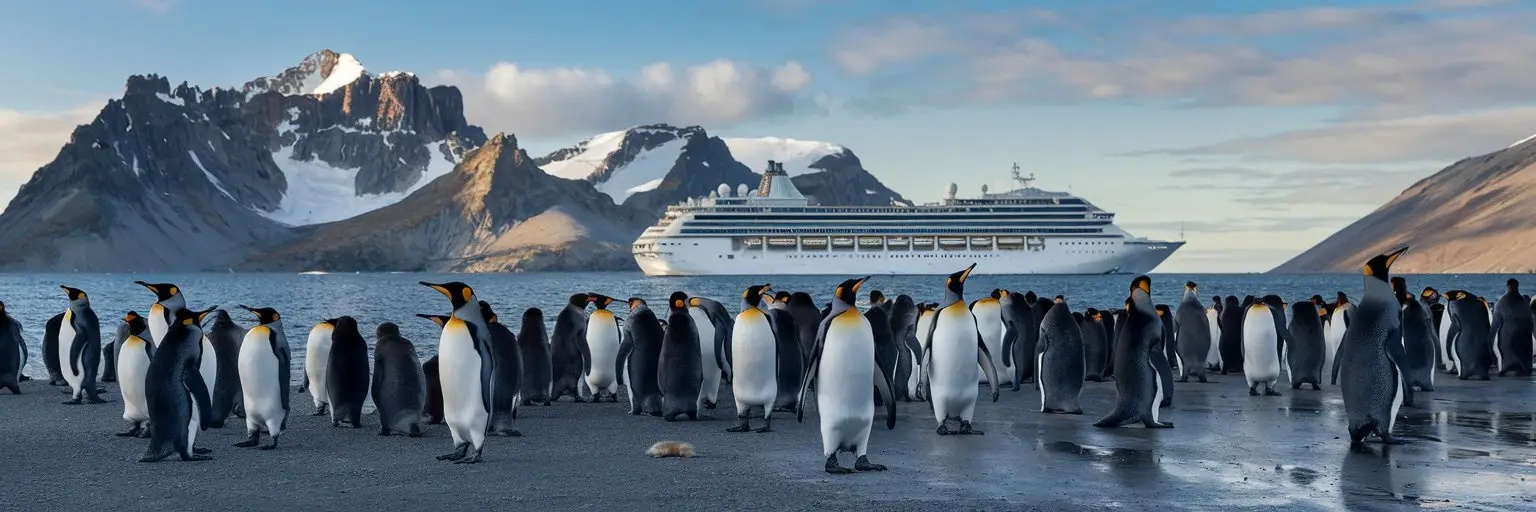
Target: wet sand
pixel 1472 446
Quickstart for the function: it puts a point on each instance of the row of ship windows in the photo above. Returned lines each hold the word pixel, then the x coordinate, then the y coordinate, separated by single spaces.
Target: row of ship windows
pixel 882 256
pixel 902 210
pixel 1058 214
pixel 896 232
pixel 745 222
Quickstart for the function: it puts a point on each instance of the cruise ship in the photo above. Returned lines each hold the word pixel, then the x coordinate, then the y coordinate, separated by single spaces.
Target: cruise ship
pixel 775 230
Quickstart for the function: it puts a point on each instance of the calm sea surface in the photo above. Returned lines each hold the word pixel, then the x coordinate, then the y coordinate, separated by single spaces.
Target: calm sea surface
pixel 304 300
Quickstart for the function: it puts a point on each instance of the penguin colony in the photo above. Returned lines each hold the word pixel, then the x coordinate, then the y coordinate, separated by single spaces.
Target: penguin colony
pixel 177 378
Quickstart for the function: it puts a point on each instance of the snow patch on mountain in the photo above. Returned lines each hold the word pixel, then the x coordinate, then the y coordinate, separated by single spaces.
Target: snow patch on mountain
pixel 1523 141
pixel 589 157
pixel 319 193
pixel 644 173
pixel 346 71
pixel 796 155
pixel 211 178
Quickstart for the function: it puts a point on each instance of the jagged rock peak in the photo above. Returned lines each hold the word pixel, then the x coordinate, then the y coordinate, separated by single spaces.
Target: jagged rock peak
pixel 321 72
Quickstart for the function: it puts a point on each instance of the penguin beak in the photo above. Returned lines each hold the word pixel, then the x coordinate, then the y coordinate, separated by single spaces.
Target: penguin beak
pixel 440 288
pixel 860 283
pixel 966 273
pixel 1392 256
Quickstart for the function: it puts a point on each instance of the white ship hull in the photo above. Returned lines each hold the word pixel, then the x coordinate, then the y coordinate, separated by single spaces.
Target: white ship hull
pixel 715 256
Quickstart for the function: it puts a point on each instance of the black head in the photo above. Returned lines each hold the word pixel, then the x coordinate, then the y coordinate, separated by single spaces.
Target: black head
pixel 387 330
pixel 997 293
pixel 1030 297
pixel 1430 293
pixel 1317 300
pixel 440 320
pixel 678 301
pixel 1380 266
pixel 345 325
pixel 782 296
pixel 848 292
pixel 74 293
pixel 1190 286
pixel 876 298
pixel 533 316
pixel 580 300
pixel 1341 299
pixel 1143 283
pixel 487 313
pixel 635 302
pixel 136 324
pixel 263 315
pixel 1399 285
pixel 754 294
pixel 1455 295
pixel 188 317
pixel 2 307
pixel 956 281
pixel 601 301
pixel 1162 309
pixel 1512 284
pixel 162 291
pixel 458 293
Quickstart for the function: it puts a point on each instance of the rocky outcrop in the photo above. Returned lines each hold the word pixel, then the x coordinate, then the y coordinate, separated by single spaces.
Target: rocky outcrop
pixel 496 212
pixel 844 182
pixel 1471 217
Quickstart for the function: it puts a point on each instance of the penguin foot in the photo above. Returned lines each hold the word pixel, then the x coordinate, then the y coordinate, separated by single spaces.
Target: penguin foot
pixel 1167 402
pixel 195 458
pixel 708 404
pixel 944 430
pixel 1253 392
pixel 23 378
pixel 1154 424
pixel 744 426
pixel 132 432
pixel 835 469
pixel 863 464
pixel 270 445
pixel 1295 385
pixel 472 459
pixel 510 432
pixel 1317 387
pixel 146 433
pixel 458 452
pixel 318 412
pixel 1271 392
pixel 75 401
pixel 1202 379
pixel 201 451
pixel 764 430
pixel 250 441
pixel 547 403
pixel 966 430
pixel 384 431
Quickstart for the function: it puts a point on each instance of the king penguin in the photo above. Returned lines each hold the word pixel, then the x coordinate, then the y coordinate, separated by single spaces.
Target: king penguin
pixel 1338 325
pixel 1137 388
pixel 1418 346
pixel 755 382
pixel 1213 318
pixel 1430 299
pixel 226 337
pixel 681 375
pixel 81 333
pixel 467 368
pixel 954 350
pixel 169 299
pixel 1231 332
pixel 1512 324
pixel 1060 361
pixel 1373 387
pixel 642 362
pixel 178 396
pixel 791 366
pixel 1194 335
pixel 317 355
pixel 508 375
pixel 1261 357
pixel 13 353
pixel 843 366
pixel 1468 335
pixel 807 318
pixel 1159 355
pixel 917 384
pixel 399 386
pixel 432 411
pixel 885 344
pixel 713 337
pixel 1021 333
pixel 568 354
pixel 904 327
pixel 1096 352
pixel 264 372
pixel 346 373
pixel 989 323
pixel 51 350
pixel 133 359
pixel 109 353
pixel 603 346
pixel 533 345
pixel 1305 352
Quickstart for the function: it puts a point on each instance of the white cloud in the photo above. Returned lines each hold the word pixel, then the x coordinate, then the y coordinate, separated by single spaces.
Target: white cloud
pixel 1437 138
pixel 30 140
pixel 563 101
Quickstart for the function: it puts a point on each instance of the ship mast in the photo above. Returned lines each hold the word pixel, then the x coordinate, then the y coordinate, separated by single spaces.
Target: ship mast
pixel 1024 182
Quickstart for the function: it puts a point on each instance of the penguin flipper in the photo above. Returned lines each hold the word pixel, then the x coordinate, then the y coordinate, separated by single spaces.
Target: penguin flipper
pixel 1010 334
pixel 1399 359
pixel 626 347
pixel 281 353
pixel 883 385
pixel 193 383
pixel 76 347
pixel 811 369
pixel 487 366
pixel 984 358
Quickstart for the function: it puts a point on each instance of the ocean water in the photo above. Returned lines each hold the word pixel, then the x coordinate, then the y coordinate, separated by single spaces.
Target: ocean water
pixel 305 299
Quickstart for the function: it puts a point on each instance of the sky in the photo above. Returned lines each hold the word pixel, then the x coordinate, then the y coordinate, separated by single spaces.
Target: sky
pixel 1252 129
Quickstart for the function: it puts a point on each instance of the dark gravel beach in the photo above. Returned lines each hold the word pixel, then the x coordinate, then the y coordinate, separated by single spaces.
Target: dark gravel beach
pixel 1473 446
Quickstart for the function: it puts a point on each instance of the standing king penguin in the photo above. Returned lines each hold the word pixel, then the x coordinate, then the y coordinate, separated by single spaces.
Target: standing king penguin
pixel 467 368
pixel 642 361
pixel 843 366
pixel 989 324
pixel 1021 332
pixel 1418 347
pixel 1060 362
pixel 533 345
pixel 1512 326
pixel 80 347
pixel 509 367
pixel 226 337
pixel 1231 333
pixel 1261 353
pixel 51 350
pixel 568 354
pixel 755 382
pixel 904 327
pixel 681 375
pixel 346 373
pixel 603 347
pixel 399 384
pixel 1468 336
pixel 178 396
pixel 317 356
pixel 714 336
pixel 264 372
pixel 432 411
pixel 168 300
pixel 13 353
pixel 1373 385
pixel 1304 353
pixel 133 359
pixel 1193 338
pixel 954 350
pixel 1137 388
pixel 791 366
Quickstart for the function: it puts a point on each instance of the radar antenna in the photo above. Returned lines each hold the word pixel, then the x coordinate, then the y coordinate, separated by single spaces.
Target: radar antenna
pixel 1024 182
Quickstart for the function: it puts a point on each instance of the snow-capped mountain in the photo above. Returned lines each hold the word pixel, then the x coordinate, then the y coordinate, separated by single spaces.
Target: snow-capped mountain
pixel 798 156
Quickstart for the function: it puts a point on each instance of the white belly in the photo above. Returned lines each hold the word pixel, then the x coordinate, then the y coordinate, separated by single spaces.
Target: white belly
pixel 989 322
pixel 1261 360
pixel 844 385
pixel 317 354
pixel 260 384
pixel 1213 355
pixel 193 423
pixel 458 368
pixel 603 345
pixel 1157 394
pixel 209 367
pixel 755 378
pixel 158 324
pixel 1445 344
pixel 1334 337
pixel 132 367
pixel 953 371
pixel 66 338
pixel 711 385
